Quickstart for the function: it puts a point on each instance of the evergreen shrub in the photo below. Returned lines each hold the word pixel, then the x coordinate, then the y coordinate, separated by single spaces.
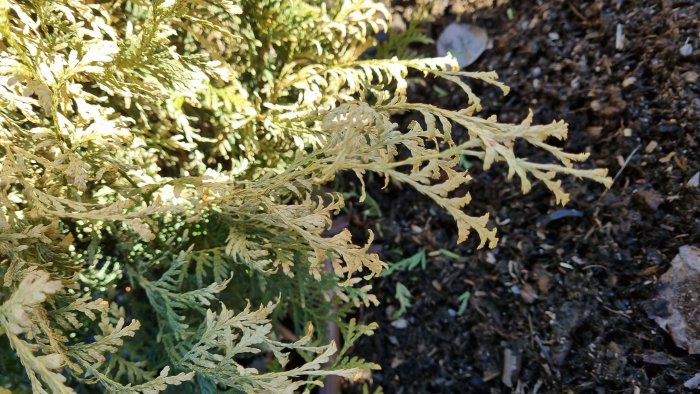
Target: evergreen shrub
pixel 161 165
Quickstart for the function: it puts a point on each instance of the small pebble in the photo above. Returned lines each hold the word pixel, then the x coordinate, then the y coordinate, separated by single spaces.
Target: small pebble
pixel 575 83
pixel 396 361
pixel 654 257
pixel 400 324
pixel 693 383
pixel 577 260
pixel 490 258
pixel 686 49
pixel 690 76
pixel 398 23
pixel 515 290
pixel 452 312
pixel 390 311
pixel 554 36
pixel 695 180
pixel 564 213
pixel 669 128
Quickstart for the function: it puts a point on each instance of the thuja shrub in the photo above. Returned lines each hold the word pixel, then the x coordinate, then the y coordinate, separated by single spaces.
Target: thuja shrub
pixel 160 173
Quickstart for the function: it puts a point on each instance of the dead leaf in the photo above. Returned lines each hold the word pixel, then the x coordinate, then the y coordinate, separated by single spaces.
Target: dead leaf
pixel 528 293
pixel 651 198
pixel 464 41
pixel 678 303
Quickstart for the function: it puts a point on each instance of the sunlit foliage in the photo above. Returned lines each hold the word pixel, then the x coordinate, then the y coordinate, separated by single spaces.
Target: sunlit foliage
pixel 160 173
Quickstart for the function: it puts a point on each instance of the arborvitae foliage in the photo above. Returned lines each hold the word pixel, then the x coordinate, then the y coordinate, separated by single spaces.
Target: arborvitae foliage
pixel 160 164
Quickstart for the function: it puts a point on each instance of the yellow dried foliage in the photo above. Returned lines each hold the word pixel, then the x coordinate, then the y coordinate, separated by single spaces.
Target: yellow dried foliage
pixel 178 148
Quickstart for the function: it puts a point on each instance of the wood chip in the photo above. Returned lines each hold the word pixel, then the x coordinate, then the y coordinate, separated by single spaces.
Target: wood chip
pixel 594 131
pixel 628 81
pixel 619 37
pixel 620 160
pixel 667 158
pixel 651 146
pixel 510 366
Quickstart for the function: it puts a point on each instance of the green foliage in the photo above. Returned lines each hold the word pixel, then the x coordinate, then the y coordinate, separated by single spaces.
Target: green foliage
pixel 463 302
pixel 403 296
pixel 160 173
pixel 410 263
pixel 445 253
pixel 398 43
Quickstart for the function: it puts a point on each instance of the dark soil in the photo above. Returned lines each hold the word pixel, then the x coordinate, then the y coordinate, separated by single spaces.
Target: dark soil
pixel 566 294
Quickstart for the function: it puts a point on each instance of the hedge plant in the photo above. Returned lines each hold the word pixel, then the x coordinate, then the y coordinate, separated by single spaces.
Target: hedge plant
pixel 161 165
